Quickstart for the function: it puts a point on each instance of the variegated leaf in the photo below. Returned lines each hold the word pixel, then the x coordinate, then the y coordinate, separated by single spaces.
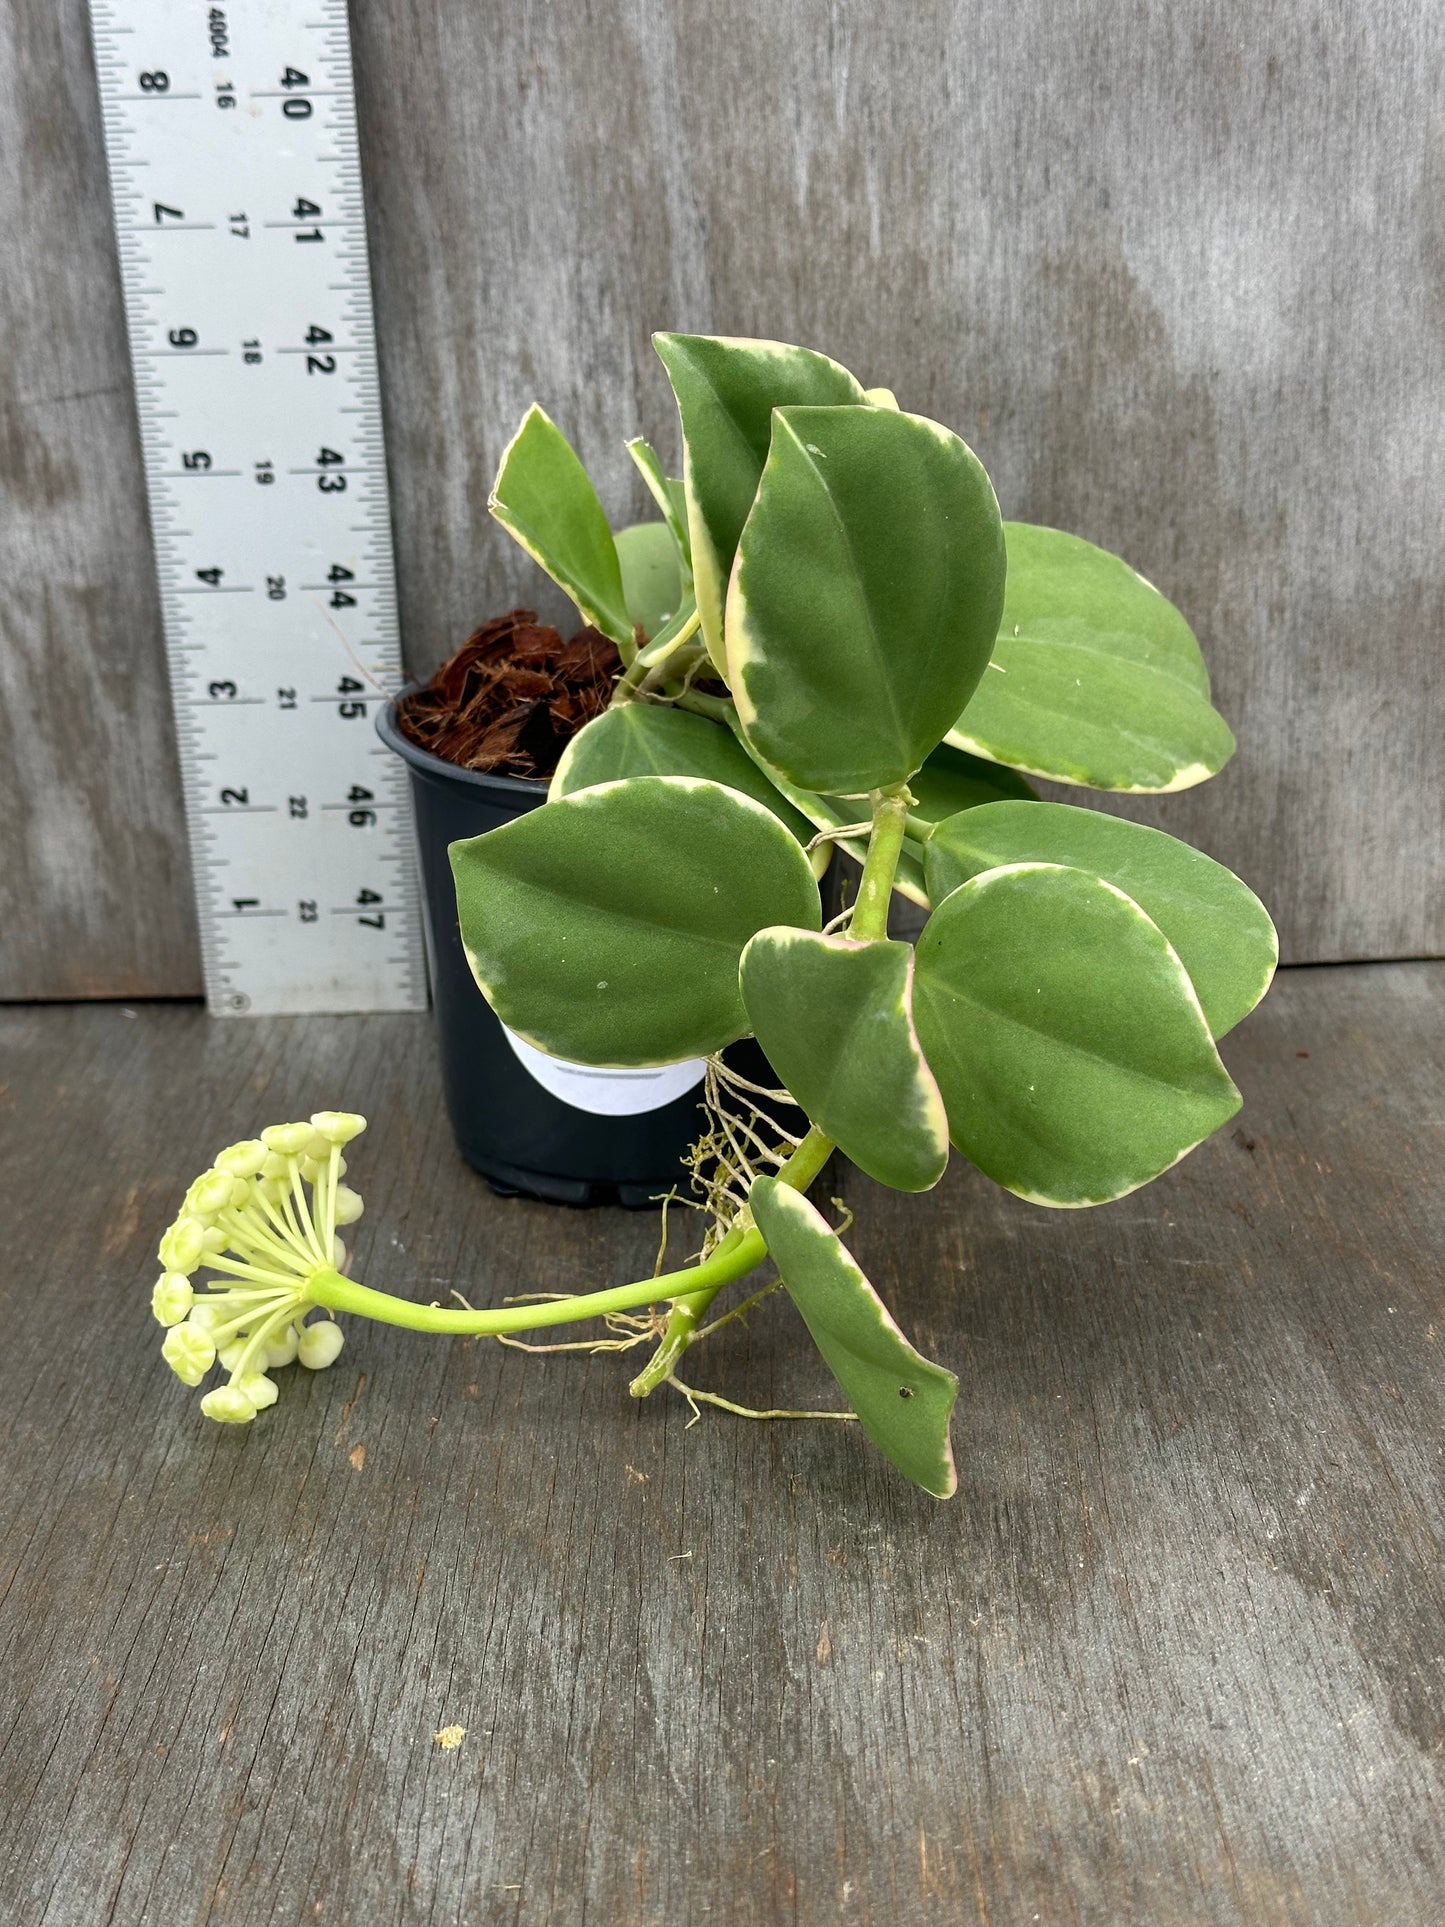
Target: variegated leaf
pixel 903 1400
pixel 726 392
pixel 1071 1050
pixel 865 596
pixel 835 1020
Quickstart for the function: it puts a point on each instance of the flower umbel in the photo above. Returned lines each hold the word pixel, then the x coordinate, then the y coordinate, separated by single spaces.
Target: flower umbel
pixel 249 1217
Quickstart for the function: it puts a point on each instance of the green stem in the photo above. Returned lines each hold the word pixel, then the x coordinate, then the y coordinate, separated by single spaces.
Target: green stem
pixel 875 888
pixel 918 829
pixel 687 1311
pixel 335 1293
pixel 718 708
pixel 663 646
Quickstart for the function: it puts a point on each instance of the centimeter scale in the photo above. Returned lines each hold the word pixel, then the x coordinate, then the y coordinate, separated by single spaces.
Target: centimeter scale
pixel 235 177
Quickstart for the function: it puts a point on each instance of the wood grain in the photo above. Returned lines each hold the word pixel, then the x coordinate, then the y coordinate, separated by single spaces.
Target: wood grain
pixel 1178 272
pixel 1173 1655
pixel 95 894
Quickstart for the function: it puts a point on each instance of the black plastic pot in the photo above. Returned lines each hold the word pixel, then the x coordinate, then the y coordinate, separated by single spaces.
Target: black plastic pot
pixel 614 1136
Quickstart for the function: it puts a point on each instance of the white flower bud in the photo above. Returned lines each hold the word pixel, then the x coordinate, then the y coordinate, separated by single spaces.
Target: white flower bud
pixel 349 1206
pixel 289 1139
pixel 273 1189
pixel 259 1389
pixel 282 1349
pixel 189 1352
pixel 337 1127
pixel 276 1168
pixel 243 1160
pixel 339 1254
pixel 204 1317
pixel 232 1352
pixel 172 1298
pixel 182 1247
pixel 215 1240
pixel 320 1345
pixel 311 1169
pixel 229 1405
pixel 210 1194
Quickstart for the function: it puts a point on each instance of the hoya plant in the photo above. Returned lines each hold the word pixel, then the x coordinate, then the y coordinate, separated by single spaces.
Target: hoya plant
pixel 830 639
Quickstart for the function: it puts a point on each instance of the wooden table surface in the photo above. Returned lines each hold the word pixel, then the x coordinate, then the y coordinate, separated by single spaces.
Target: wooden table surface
pixel 1175 1653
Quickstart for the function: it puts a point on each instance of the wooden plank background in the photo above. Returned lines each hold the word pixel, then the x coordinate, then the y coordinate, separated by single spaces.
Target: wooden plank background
pixel 1171 1658
pixel 1178 272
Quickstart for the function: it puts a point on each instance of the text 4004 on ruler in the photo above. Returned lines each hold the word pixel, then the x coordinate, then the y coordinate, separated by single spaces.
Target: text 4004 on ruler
pixel 231 136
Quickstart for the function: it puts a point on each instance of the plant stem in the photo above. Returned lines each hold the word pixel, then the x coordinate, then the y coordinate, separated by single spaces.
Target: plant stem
pixel 875 889
pixel 335 1293
pixel 653 655
pixel 687 1311
pixel 718 708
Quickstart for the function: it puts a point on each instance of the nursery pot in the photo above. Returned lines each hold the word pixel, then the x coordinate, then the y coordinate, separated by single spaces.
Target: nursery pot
pixel 531 1124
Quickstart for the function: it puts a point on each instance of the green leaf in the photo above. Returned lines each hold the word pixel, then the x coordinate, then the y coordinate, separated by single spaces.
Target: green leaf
pixel 726 392
pixel 544 497
pixel 1065 1034
pixel 902 1400
pixel 951 781
pixel 1096 679
pixel 835 1020
pixel 669 495
pixel 1219 927
pixel 606 927
pixel 651 580
pixel 652 739
pixel 865 597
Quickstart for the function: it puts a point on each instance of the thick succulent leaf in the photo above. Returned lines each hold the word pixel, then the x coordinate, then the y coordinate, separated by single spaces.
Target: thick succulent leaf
pixel 606 927
pixel 835 1020
pixel 1218 926
pixel 1096 679
pixel 1065 1034
pixel 668 494
pixel 726 392
pixel 652 739
pixel 651 579
pixel 865 596
pixel 544 497
pixel 951 780
pixel 903 1401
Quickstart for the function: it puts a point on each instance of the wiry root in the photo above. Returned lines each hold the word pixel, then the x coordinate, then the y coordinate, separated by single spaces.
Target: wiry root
pixel 741 1141
pixel 695 1398
pixel 627 1328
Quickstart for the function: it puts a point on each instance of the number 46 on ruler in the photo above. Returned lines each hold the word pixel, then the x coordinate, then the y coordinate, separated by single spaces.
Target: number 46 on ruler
pixel 231 136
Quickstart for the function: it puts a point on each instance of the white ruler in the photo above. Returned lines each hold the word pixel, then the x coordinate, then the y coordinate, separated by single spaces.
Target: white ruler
pixel 231 135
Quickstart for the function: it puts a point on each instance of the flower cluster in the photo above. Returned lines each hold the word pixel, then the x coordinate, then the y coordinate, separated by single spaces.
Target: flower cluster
pixel 249 1218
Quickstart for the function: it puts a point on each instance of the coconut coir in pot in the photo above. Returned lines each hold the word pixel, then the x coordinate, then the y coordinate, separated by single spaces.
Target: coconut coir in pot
pixel 513 696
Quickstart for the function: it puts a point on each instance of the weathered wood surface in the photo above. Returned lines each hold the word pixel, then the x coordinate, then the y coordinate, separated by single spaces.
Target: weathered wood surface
pixel 1178 272
pixel 1176 1652
pixel 95 893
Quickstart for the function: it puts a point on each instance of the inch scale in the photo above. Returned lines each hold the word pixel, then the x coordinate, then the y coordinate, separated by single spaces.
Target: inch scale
pixel 230 131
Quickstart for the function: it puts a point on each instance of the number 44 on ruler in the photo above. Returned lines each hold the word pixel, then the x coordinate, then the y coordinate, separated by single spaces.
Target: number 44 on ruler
pixel 235 178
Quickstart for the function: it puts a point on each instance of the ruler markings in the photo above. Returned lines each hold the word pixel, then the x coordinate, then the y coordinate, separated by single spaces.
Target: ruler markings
pixel 253 349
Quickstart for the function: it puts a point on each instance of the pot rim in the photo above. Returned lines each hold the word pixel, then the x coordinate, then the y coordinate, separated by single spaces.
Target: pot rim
pixel 427 764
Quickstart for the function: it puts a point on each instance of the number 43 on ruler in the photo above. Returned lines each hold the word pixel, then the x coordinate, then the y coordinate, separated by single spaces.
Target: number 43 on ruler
pixel 231 136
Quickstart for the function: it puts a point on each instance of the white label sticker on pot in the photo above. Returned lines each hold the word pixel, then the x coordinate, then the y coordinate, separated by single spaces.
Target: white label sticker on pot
pixel 607 1093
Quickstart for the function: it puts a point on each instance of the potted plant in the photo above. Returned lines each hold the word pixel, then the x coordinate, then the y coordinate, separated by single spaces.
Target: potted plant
pixel 866 644
pixel 481 740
